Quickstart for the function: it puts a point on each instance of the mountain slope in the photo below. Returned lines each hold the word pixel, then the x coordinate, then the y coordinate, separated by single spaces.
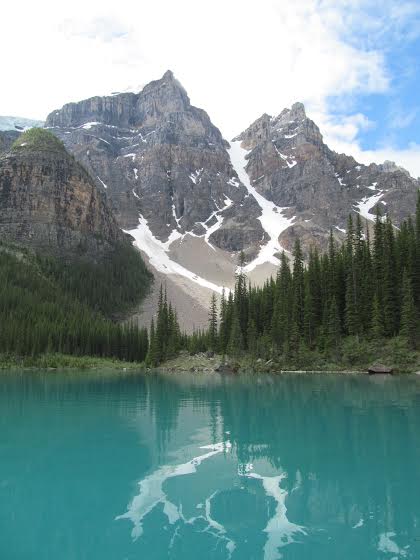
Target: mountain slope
pixel 192 201
pixel 157 155
pixel 289 164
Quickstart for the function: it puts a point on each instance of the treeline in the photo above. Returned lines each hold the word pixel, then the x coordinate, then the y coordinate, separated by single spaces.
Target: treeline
pixel 367 288
pixel 47 306
pixel 111 286
pixel 166 339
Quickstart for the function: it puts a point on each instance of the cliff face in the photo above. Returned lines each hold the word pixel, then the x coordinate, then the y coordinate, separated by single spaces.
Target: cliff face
pixel 49 202
pixel 289 163
pixel 156 155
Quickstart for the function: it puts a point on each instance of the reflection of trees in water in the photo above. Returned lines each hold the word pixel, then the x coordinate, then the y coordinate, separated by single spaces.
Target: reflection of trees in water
pixel 348 444
pixel 351 442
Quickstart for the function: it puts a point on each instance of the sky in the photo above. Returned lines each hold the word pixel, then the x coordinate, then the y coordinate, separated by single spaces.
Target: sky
pixel 353 63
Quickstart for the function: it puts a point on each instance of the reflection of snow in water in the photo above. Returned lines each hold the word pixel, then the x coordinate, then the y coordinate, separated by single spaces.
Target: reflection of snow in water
pixel 388 546
pixel 152 494
pixel 280 531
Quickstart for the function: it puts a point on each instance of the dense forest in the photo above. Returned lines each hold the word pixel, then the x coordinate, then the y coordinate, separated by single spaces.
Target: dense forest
pixel 51 306
pixel 365 291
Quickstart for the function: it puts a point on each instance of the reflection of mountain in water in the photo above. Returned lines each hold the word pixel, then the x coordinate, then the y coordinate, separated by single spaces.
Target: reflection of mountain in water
pixel 259 467
pixel 323 449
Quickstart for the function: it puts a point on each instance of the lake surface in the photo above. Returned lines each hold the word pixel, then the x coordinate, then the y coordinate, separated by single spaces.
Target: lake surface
pixel 191 466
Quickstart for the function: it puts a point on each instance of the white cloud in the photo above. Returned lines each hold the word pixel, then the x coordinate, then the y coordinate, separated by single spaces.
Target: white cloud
pixel 237 59
pixel 341 135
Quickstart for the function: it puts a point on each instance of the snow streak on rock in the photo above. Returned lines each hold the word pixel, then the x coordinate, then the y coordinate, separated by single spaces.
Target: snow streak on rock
pixel 157 251
pixel 272 219
pixel 365 205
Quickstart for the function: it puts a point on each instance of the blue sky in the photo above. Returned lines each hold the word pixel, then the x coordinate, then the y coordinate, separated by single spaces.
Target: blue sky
pixel 354 63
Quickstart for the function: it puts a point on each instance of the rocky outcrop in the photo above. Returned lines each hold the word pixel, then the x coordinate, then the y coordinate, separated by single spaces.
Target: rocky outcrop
pixel 289 164
pixel 156 155
pixel 49 202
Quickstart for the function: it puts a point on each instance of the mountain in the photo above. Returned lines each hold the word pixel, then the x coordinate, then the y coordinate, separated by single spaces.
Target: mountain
pixel 49 202
pixel 154 150
pixel 288 163
pixel 18 123
pixel 192 201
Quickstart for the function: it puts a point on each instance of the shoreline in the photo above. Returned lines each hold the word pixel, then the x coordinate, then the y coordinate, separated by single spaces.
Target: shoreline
pixel 201 364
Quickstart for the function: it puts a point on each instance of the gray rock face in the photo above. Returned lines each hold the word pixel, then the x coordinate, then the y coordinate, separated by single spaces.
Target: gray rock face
pixel 155 154
pixel 289 164
pixel 49 203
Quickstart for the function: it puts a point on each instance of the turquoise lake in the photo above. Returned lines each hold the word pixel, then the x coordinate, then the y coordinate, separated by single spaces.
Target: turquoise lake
pixel 149 466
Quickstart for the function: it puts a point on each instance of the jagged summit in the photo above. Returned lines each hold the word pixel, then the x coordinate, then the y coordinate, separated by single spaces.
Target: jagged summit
pixel 290 128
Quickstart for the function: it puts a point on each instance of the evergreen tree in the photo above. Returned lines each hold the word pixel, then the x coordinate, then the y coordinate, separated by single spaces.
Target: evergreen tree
pixel 409 326
pixel 213 342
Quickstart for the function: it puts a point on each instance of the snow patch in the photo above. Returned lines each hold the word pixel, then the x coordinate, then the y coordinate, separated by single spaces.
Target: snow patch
pixel 233 181
pixel 340 229
pixel 89 125
pixel 133 156
pixel 219 220
pixel 272 219
pixel 157 251
pixel 365 205
pixel 340 180
pixel 136 173
pixel 372 187
pixel 195 176
pixel 103 184
pixel 285 158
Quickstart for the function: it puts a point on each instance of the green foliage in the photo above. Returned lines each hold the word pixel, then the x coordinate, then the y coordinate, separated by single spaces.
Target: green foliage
pixel 36 139
pixel 343 306
pixel 41 312
pixel 111 286
pixel 166 338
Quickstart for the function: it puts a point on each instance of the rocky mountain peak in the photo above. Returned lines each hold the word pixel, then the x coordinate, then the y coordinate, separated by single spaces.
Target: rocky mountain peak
pixel 390 167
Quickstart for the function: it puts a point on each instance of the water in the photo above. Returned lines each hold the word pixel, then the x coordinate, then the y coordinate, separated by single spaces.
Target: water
pixel 105 467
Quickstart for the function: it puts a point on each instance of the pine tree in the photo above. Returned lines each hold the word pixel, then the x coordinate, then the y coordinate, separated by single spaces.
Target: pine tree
pixel 213 342
pixel 334 329
pixel 408 327
pixel 298 288
pixel 236 342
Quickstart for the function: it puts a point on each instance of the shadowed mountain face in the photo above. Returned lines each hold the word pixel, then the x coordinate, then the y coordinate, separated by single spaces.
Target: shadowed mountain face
pixel 156 155
pixel 49 202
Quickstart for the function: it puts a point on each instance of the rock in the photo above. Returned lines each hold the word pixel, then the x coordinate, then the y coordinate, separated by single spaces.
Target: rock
pixel 152 150
pixel 379 368
pixel 227 368
pixel 50 203
pixel 290 164
pixel 210 354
